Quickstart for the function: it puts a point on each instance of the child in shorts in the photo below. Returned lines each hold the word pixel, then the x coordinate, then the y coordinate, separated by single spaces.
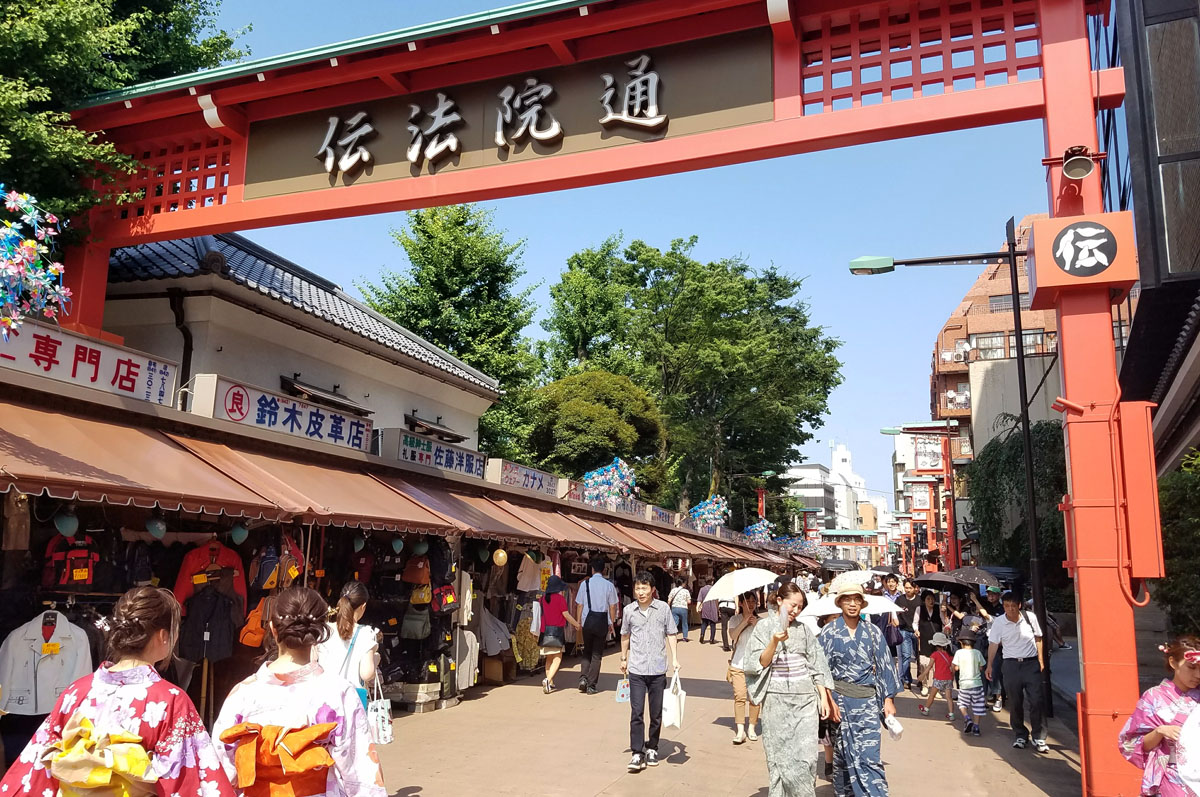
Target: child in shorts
pixel 943 674
pixel 968 663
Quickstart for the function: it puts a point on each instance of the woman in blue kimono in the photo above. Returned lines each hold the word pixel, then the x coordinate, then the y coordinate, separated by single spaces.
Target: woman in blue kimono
pixel 864 684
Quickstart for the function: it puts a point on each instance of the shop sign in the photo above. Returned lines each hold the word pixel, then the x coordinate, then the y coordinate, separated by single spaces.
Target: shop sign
pixel 928 452
pixel 515 475
pixel 250 406
pixel 435 454
pixel 628 506
pixel 920 497
pixel 87 362
pixel 594 105
pixel 575 491
pixel 662 515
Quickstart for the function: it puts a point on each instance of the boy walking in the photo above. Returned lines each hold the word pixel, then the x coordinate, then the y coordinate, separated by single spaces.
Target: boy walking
pixel 647 631
pixel 968 663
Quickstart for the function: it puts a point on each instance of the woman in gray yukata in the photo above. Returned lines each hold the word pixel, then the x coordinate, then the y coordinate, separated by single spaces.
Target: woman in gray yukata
pixel 787 675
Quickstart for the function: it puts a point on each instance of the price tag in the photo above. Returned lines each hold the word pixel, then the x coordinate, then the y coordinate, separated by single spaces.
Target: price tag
pixel 356 578
pixel 320 574
pixel 293 571
pixel 399 576
pixel 433 668
pixel 79 574
pixel 51 648
pixel 200 578
pixel 453 666
pixel 206 636
pixel 392 621
pixel 154 581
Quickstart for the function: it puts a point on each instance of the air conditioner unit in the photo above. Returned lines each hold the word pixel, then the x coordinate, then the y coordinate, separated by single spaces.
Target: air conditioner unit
pixel 960 356
pixel 951 395
pixel 946 355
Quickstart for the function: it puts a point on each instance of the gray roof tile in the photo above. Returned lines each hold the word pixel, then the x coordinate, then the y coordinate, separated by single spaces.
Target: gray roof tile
pixel 262 271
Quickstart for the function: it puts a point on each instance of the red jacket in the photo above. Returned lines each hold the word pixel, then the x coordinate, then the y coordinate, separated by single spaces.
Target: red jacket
pixel 200 559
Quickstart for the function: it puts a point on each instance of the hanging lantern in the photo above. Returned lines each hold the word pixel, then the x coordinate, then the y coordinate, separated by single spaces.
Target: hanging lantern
pixel 420 547
pixel 66 522
pixel 500 558
pixel 238 533
pixel 359 542
pixel 397 544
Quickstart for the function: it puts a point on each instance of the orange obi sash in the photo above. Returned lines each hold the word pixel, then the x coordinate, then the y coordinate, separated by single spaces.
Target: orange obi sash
pixel 88 763
pixel 273 761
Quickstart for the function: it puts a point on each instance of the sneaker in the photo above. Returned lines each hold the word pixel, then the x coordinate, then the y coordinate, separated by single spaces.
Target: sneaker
pixel 546 687
pixel 967 726
pixel 998 705
pixel 637 763
pixel 1019 744
pixel 1066 647
pixel 652 758
pixel 1041 746
pixel 924 691
pixel 924 710
pixel 950 716
pixel 750 734
pixel 740 737
pixel 974 728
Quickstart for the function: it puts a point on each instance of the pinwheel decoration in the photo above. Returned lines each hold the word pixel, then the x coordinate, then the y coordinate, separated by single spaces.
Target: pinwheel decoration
pixel 30 279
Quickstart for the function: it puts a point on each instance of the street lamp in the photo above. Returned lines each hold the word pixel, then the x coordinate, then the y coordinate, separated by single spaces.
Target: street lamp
pixel 882 265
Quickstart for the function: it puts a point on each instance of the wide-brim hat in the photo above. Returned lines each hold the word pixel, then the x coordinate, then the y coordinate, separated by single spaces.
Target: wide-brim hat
pixel 846 590
pixel 939 640
pixel 555 584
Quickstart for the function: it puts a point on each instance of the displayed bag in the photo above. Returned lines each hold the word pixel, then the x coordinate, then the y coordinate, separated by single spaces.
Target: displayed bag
pixel 379 717
pixel 264 570
pixel 445 599
pixel 253 632
pixel 362 692
pixel 416 570
pixel 442 569
pixel 421 594
pixel 673 701
pixel 415 624
pixel 623 690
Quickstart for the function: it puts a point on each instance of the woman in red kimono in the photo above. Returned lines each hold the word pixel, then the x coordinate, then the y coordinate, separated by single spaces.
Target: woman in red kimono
pixel 123 731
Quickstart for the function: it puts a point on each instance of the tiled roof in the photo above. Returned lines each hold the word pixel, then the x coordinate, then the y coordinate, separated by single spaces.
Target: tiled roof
pixel 251 266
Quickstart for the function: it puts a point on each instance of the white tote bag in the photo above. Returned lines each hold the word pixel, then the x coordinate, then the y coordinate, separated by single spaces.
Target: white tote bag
pixel 673 700
pixel 1187 752
pixel 379 716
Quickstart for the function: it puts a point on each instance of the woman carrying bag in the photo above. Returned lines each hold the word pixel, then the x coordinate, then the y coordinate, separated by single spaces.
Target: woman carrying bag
pixel 553 638
pixel 789 678
pixel 351 649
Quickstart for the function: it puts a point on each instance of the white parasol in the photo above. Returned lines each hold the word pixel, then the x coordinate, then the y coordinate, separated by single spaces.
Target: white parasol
pixel 859 577
pixel 876 604
pixel 733 584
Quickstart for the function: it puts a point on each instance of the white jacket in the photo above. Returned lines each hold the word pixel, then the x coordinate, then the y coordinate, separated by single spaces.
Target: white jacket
pixel 30 680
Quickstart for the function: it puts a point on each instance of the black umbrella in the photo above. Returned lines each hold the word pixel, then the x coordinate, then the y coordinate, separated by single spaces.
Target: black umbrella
pixel 836 565
pixel 973 575
pixel 941 581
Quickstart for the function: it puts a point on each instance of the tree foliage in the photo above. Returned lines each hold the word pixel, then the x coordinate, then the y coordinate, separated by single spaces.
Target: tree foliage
pixel 728 353
pixel 53 55
pixel 1179 509
pixel 459 292
pixel 996 484
pixel 582 421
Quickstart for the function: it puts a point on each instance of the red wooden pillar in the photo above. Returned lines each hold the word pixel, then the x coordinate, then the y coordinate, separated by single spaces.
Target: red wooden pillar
pixel 1108 659
pixel 86 275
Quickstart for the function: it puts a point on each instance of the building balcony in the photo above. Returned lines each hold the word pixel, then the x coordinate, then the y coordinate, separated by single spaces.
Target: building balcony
pixel 956 406
pixel 960 449
pixel 952 362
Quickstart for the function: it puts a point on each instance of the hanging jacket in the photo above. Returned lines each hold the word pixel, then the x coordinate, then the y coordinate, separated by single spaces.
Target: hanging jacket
pixel 200 559
pixel 208 630
pixel 31 680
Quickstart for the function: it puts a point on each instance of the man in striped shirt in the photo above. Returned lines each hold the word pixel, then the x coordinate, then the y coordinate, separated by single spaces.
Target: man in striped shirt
pixel 647 630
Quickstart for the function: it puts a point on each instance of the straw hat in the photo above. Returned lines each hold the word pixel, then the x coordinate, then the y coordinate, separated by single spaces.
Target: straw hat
pixel 847 589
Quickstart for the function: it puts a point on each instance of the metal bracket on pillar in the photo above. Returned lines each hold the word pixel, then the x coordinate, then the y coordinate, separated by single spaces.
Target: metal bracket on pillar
pixel 228 119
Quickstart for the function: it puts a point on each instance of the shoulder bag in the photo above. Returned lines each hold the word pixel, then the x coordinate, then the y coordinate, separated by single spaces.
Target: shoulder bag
pixel 362 693
pixel 595 623
pixel 553 636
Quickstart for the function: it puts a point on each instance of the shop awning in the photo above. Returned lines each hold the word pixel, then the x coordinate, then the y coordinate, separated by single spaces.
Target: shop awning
pixel 563 529
pixel 659 543
pixel 475 515
pixel 807 561
pixel 75 458
pixel 622 536
pixel 321 494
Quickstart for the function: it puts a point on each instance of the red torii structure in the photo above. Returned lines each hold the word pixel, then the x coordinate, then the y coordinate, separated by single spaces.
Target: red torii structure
pixel 835 73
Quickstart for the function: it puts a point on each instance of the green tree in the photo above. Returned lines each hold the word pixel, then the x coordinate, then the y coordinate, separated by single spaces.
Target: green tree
pixel 584 420
pixel 459 292
pixel 1179 510
pixel 996 483
pixel 53 55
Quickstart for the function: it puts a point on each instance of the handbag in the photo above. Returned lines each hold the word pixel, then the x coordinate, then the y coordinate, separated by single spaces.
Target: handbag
pixel 362 693
pixel 623 690
pixel 673 701
pixel 444 599
pixel 416 624
pixel 553 636
pixel 422 594
pixel 892 635
pixel 594 624
pixel 379 717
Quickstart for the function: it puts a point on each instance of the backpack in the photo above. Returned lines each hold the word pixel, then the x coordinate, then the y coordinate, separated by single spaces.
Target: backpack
pixel 441 562
pixel 266 569
pixel 444 599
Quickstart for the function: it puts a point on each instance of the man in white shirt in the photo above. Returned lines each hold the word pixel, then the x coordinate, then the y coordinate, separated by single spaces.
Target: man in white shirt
pixel 1018 632
pixel 597 598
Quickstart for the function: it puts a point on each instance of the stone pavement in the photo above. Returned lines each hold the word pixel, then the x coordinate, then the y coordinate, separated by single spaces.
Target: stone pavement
pixel 514 739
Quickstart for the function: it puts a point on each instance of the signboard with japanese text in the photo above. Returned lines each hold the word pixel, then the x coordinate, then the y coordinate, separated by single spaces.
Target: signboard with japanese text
pixel 662 515
pixel 436 454
pixel 928 453
pixel 87 362
pixel 575 491
pixel 642 96
pixel 920 497
pixel 628 506
pixel 250 406
pixel 515 475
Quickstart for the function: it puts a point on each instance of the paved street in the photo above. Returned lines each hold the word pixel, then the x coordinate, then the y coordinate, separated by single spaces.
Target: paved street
pixel 513 739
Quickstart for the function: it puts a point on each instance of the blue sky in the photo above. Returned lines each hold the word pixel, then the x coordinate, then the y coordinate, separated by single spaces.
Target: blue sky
pixel 807 214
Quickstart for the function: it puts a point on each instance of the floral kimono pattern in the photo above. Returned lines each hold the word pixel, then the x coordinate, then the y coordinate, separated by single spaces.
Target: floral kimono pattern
pixel 147 727
pixel 299 734
pixel 860 659
pixel 1164 704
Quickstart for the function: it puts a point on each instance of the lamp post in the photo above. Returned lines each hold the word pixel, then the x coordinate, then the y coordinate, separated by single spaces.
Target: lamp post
pixel 870 265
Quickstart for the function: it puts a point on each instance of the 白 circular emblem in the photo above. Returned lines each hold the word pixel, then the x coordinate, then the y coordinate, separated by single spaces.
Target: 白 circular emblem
pixel 1085 248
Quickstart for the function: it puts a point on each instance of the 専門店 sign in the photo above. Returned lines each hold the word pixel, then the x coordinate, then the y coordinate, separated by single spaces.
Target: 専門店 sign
pixel 250 406
pixel 638 97
pixel 87 362
pixel 435 454
pixel 515 475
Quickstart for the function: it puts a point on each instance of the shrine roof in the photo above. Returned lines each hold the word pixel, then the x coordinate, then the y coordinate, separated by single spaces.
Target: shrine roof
pixel 255 268
pixel 481 19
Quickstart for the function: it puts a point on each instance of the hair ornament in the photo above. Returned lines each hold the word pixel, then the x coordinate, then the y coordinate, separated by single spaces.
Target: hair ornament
pixel 1164 649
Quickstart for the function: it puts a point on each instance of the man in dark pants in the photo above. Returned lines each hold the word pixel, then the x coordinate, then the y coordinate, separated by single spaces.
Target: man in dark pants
pixel 726 609
pixel 647 630
pixel 1017 632
pixel 596 604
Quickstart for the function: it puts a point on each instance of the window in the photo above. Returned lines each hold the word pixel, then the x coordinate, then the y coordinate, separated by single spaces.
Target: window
pixel 1003 303
pixel 1034 338
pixel 990 346
pixel 1120 334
